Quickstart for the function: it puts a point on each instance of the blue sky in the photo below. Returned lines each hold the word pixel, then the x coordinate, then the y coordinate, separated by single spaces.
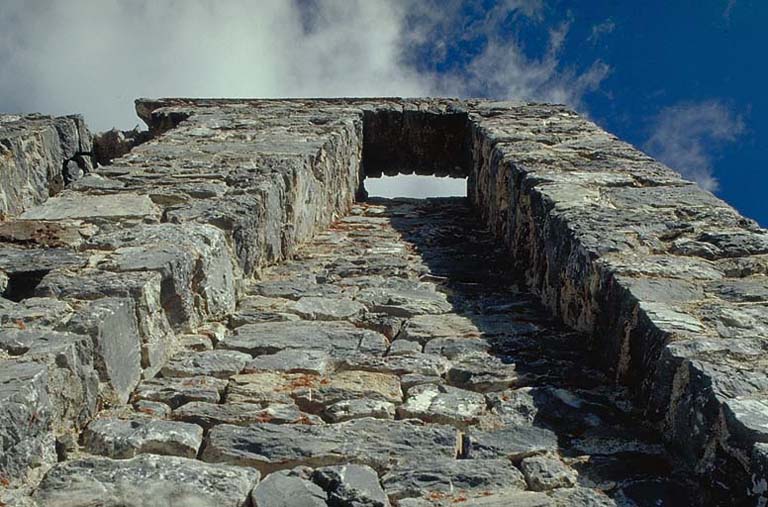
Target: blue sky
pixel 682 80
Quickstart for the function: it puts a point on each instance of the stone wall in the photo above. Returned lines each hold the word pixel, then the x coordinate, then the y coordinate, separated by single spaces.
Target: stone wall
pixel 38 156
pixel 100 281
pixel 669 281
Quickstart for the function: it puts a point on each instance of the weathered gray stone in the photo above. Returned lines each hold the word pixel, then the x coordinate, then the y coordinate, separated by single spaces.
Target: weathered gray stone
pixel 210 414
pixel 111 324
pixel 34 312
pixel 588 220
pixel 145 480
pixel 196 342
pixel 198 272
pixel 337 339
pixel 155 409
pixel 401 364
pixel 468 477
pixel 456 348
pixel 33 153
pixel 175 392
pixel 210 363
pixel 346 410
pixel 116 438
pixel 511 441
pixel 145 290
pixel 516 498
pixel 90 207
pixel 316 396
pixel 404 347
pixel 327 308
pixel 317 362
pixel 372 442
pixel 294 288
pixel 424 328
pixel 483 373
pixel 260 309
pixel 268 387
pixel 543 473
pixel 72 383
pixel 353 485
pixel 25 418
pixel 16 262
pixel 43 233
pixel 285 489
pixel 404 302
pixel 442 404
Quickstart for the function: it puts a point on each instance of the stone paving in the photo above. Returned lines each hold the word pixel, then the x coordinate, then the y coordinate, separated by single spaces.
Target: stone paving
pixel 393 361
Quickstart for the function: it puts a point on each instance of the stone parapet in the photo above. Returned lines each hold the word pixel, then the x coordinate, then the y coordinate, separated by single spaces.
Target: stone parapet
pixel 668 283
pixel 38 156
pixel 100 279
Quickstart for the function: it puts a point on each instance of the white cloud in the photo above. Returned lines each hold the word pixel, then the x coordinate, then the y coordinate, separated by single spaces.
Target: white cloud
pixel 601 29
pixel 96 56
pixel 687 137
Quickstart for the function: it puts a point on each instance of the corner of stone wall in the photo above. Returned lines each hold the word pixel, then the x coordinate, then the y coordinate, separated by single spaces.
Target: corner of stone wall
pixel 669 281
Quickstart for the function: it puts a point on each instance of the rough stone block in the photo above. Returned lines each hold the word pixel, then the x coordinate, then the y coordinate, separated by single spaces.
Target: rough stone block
pixel 373 442
pixel 111 324
pixel 116 438
pixel 145 480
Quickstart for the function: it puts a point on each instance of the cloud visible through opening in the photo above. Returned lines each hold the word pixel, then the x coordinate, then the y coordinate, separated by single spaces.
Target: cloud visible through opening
pixel 686 137
pixel 95 56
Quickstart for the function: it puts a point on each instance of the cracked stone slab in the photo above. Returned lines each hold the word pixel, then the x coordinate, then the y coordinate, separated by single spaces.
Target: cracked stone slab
pixel 457 348
pixel 442 404
pixel 543 473
pixel 288 489
pixel 346 410
pixel 347 385
pixel 316 362
pixel 145 480
pixel 423 328
pixel 72 381
pixel 175 392
pixel 337 339
pixel 143 287
pixel 511 441
pixel 211 363
pixel 267 387
pixel 117 438
pixel 88 207
pixel 208 415
pixel 465 477
pixel 34 312
pixel 351 485
pixel 294 289
pixel 327 308
pixel 404 302
pixel 404 347
pixel 19 260
pixel 401 364
pixel 25 417
pixel 373 442
pixel 483 373
pixel 112 325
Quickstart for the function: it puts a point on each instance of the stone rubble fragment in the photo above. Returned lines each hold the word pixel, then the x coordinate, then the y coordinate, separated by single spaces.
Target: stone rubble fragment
pixel 144 480
pixel 115 438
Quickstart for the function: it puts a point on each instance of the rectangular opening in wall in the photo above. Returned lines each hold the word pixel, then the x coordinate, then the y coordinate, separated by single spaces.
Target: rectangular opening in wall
pixel 415 186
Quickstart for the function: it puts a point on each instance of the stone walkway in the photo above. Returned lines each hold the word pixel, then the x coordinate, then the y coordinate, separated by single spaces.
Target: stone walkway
pixel 392 362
